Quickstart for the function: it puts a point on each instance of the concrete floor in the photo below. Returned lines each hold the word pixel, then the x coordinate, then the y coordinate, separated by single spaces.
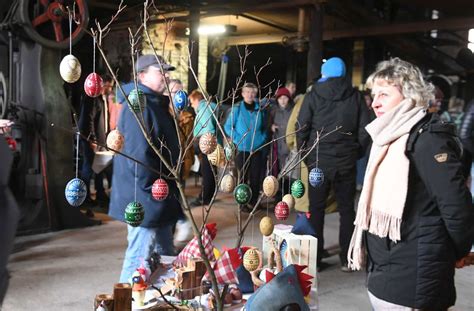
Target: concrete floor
pixel 65 270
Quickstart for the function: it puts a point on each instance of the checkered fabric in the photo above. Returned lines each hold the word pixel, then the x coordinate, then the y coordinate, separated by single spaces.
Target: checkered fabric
pixel 192 249
pixel 225 273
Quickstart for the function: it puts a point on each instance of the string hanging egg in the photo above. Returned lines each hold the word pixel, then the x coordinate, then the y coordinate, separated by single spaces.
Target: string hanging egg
pixel 316 177
pixel 70 68
pixel 115 140
pixel 227 183
pixel 93 85
pixel 289 200
pixel 266 226
pixel 180 99
pixel 137 100
pixel 160 189
pixel 134 214
pixel 270 186
pixel 251 260
pixel 297 188
pixel 282 211
pixel 75 192
pixel 207 143
pixel 242 194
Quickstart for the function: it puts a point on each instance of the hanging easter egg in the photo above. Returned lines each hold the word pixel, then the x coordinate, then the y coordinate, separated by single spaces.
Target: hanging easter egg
pixel 134 214
pixel 115 140
pixel 180 99
pixel 93 85
pixel 316 177
pixel 75 192
pixel 242 194
pixel 70 69
pixel 229 151
pixel 297 188
pixel 266 226
pixel 137 100
pixel 270 186
pixel 207 143
pixel 227 183
pixel 251 260
pixel 216 158
pixel 290 200
pixel 160 189
pixel 282 211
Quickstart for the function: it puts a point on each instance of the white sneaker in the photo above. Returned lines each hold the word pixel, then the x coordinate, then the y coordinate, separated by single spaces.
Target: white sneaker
pixel 183 233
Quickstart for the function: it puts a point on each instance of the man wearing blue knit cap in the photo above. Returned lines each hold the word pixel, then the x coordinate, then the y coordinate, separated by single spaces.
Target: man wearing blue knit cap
pixel 333 102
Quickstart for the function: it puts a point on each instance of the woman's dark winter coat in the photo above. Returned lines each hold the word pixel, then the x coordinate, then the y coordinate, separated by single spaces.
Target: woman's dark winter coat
pixel 437 225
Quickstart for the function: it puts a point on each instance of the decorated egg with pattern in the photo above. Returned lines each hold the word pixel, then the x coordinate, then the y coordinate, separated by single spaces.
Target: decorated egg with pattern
pixel 93 85
pixel 180 99
pixel 230 151
pixel 216 158
pixel 242 194
pixel 115 140
pixel 70 69
pixel 134 214
pixel 266 226
pixel 227 183
pixel 160 189
pixel 282 211
pixel 251 260
pixel 75 192
pixel 297 188
pixel 316 177
pixel 137 100
pixel 207 143
pixel 290 200
pixel 270 186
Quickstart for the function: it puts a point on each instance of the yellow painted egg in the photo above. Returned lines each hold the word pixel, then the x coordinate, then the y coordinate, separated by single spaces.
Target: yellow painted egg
pixel 270 186
pixel 217 157
pixel 227 183
pixel 115 140
pixel 251 260
pixel 70 69
pixel 290 200
pixel 266 226
pixel 207 143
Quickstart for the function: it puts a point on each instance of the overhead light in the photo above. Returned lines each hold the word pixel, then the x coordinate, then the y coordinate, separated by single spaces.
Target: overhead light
pixel 470 38
pixel 211 29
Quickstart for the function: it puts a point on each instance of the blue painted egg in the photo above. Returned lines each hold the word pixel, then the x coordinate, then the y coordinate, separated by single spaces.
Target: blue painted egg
pixel 137 100
pixel 75 192
pixel 180 99
pixel 316 177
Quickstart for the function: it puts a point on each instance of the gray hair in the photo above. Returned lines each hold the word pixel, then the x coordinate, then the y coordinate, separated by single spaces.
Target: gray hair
pixel 407 77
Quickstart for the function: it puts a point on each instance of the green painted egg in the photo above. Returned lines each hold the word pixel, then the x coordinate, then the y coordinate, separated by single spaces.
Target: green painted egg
pixel 134 214
pixel 242 194
pixel 137 100
pixel 297 188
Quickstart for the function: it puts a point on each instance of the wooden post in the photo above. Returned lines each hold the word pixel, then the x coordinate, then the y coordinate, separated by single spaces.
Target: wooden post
pixel 315 51
pixel 199 268
pixel 107 299
pixel 122 297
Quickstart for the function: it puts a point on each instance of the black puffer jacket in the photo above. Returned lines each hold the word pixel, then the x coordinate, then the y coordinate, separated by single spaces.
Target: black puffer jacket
pixel 330 104
pixel 466 132
pixel 437 225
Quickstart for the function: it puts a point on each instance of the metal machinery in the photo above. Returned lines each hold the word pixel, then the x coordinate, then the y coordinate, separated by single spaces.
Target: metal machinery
pixel 32 94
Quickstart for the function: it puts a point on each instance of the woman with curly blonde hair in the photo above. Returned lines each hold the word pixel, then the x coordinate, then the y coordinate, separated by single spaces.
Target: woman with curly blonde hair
pixel 414 218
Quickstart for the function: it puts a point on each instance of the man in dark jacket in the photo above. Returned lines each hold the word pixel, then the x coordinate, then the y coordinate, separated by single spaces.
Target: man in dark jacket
pixel 333 102
pixel 133 182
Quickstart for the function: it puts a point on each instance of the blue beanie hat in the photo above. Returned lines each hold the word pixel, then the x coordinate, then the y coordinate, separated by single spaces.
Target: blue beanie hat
pixel 333 68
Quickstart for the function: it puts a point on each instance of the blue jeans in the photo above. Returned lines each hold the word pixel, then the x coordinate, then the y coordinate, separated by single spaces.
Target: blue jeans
pixel 141 243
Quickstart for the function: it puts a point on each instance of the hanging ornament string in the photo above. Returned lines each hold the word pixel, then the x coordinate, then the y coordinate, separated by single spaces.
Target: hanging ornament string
pixel 135 195
pixel 77 152
pixel 317 157
pixel 93 54
pixel 70 31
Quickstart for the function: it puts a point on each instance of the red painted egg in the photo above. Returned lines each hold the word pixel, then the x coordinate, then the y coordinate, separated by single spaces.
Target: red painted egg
pixel 160 189
pixel 282 211
pixel 93 85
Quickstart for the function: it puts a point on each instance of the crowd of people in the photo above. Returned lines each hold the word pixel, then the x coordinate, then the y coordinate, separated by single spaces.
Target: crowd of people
pixel 414 220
